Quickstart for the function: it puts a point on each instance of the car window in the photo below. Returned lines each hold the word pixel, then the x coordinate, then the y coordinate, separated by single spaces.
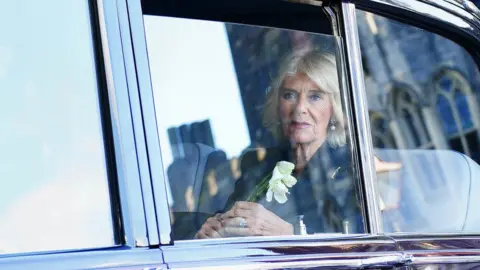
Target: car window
pixel 253 130
pixel 54 192
pixel 423 99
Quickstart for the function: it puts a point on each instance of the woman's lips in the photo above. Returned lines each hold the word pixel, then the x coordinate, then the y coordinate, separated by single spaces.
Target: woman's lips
pixel 299 125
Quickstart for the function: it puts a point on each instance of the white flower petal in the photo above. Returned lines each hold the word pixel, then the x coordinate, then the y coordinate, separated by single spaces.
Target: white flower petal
pixel 274 182
pixel 285 167
pixel 289 180
pixel 276 175
pixel 280 197
pixel 279 187
pixel 269 195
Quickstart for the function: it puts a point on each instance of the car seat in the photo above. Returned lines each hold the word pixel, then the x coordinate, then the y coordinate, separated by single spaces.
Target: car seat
pixel 434 191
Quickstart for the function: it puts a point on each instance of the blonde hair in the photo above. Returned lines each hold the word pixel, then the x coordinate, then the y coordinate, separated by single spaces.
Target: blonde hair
pixel 321 68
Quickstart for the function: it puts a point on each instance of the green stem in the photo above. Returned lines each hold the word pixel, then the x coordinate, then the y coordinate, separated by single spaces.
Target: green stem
pixel 260 189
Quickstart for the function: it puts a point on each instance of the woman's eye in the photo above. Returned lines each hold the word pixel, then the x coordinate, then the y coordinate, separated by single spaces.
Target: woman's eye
pixel 316 97
pixel 288 96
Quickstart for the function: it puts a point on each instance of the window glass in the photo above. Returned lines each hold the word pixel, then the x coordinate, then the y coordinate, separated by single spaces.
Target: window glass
pixel 252 130
pixel 54 193
pixel 424 111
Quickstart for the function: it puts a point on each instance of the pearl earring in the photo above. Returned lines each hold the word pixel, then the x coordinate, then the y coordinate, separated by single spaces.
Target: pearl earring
pixel 332 124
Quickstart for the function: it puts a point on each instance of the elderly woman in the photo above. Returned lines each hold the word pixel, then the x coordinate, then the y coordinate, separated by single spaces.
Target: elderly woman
pixel 303 111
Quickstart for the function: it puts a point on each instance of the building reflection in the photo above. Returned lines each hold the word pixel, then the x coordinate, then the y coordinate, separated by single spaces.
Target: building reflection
pixel 423 96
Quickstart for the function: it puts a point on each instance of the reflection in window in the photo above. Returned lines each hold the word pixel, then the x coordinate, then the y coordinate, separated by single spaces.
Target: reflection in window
pixel 54 192
pixel 463 108
pixel 250 95
pixel 409 112
pixel 381 134
pixel 444 109
pixel 455 109
pixel 434 119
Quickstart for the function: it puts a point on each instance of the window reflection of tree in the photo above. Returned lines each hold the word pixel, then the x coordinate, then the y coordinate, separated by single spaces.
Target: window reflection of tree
pixel 381 135
pixel 408 111
pixel 457 107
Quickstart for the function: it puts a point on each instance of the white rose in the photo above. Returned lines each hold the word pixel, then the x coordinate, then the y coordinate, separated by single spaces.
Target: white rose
pixel 280 182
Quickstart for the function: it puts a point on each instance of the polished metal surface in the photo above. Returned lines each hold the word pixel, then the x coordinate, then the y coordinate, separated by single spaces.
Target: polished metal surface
pixel 387 261
pixel 132 210
pixel 149 118
pixel 462 8
pixel 463 4
pixel 113 258
pixel 361 116
pixel 355 262
pixel 307 2
pixel 426 12
pixel 427 249
pixel 445 242
pixel 470 6
pixel 440 259
pixel 136 110
pixel 334 20
pixel 316 249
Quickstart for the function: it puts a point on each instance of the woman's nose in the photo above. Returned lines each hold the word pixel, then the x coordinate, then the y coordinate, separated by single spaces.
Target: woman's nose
pixel 301 106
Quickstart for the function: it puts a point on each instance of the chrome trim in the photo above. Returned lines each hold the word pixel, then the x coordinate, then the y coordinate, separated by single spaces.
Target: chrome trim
pixel 136 110
pixel 287 248
pixel 387 261
pixel 465 5
pixel 333 17
pixel 317 3
pixel 446 12
pixel 443 235
pixel 439 248
pixel 471 7
pixel 300 263
pixel 150 123
pixel 443 242
pixel 454 2
pixel 133 215
pixel 361 116
pixel 114 258
pixel 320 239
pixel 445 259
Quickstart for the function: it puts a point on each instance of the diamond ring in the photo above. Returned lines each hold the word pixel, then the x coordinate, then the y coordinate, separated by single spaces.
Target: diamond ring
pixel 243 223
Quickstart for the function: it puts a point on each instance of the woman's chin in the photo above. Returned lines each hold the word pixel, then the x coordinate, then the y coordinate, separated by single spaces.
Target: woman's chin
pixel 300 139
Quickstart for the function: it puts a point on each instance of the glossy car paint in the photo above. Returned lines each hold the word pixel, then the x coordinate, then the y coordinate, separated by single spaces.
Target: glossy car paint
pixel 273 253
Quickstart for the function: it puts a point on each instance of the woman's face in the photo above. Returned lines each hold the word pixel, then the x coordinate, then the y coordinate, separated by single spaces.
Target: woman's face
pixel 304 110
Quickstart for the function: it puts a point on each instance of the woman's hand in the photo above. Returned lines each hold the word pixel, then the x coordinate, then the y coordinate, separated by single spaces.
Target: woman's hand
pixel 250 219
pixel 212 228
pixel 244 219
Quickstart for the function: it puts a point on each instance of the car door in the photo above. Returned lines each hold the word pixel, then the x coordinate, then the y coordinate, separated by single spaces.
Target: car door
pixel 204 73
pixel 416 204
